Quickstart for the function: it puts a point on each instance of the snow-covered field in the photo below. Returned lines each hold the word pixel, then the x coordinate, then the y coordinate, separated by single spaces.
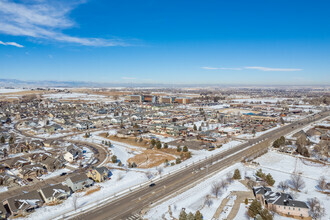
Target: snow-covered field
pixel 193 199
pixel 281 166
pixel 10 90
pixel 262 100
pixel 79 96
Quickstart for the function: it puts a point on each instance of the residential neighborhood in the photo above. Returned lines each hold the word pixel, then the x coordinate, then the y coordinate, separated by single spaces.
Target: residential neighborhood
pixel 65 146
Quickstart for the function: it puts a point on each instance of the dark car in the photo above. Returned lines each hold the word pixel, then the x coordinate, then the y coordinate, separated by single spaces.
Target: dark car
pixel 152 184
pixel 63 174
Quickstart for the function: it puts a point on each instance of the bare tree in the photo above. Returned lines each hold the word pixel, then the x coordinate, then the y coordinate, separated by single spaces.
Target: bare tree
pixel 208 200
pixel 148 175
pixel 216 189
pixel 283 185
pixel 297 182
pixel 229 177
pixel 224 184
pixel 322 183
pixel 160 170
pixel 315 207
pixel 75 201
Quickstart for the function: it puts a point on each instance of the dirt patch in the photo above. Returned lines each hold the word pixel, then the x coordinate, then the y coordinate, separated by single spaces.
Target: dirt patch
pixel 95 189
pixel 151 158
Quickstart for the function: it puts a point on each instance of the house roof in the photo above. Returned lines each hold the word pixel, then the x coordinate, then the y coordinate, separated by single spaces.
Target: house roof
pixel 53 190
pixel 79 178
pixel 24 201
pixel 102 170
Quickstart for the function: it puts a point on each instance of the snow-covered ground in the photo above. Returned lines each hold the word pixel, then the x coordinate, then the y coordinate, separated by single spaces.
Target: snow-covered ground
pixel 193 199
pixel 10 90
pixel 3 188
pixel 250 136
pixel 120 180
pixel 281 166
pixel 54 174
pixel 242 212
pixel 79 96
pixel 262 100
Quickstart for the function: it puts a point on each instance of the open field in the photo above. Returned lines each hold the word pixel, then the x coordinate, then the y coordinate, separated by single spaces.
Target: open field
pixel 151 158
pixel 130 140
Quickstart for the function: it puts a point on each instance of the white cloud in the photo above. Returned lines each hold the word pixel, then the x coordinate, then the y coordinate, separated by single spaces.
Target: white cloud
pixel 272 69
pixel 11 44
pixel 127 78
pixel 253 68
pixel 220 68
pixel 45 20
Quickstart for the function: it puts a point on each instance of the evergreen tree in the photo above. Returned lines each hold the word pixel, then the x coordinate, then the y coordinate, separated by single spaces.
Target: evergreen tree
pixel 276 144
pixel 3 140
pixel 200 128
pixel 178 160
pixel 178 149
pixel 237 175
pixel 183 215
pixel 153 142
pixel 282 140
pixel 165 145
pixel 11 140
pixel 195 127
pixel 260 174
pixel 269 180
pixel 266 215
pixel 114 159
pixel 158 145
pixel 254 209
pixel 185 149
pixel 198 215
pixel 190 216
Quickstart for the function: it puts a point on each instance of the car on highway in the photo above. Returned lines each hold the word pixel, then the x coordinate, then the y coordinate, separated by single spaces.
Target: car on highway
pixel 152 184
pixel 63 174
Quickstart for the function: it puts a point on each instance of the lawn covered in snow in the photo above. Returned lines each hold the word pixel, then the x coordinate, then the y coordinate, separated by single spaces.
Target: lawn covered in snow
pixel 193 199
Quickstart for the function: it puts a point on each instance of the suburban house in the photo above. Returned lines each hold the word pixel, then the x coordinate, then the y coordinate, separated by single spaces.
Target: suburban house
pixel 53 193
pixel 78 182
pixel 99 174
pixel 32 170
pixel 23 203
pixel 281 203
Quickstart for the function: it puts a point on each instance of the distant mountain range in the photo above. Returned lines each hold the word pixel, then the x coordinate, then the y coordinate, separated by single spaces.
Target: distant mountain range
pixel 74 84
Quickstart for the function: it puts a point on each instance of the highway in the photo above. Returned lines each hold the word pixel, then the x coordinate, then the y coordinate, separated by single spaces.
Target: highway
pixel 130 206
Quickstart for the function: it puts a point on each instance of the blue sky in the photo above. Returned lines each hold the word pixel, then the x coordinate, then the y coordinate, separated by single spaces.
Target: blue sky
pixel 164 41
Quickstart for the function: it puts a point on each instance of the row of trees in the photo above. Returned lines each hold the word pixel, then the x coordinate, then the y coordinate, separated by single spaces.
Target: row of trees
pixel 190 216
pixel 107 143
pixel 158 144
pixel 10 141
pixel 266 178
